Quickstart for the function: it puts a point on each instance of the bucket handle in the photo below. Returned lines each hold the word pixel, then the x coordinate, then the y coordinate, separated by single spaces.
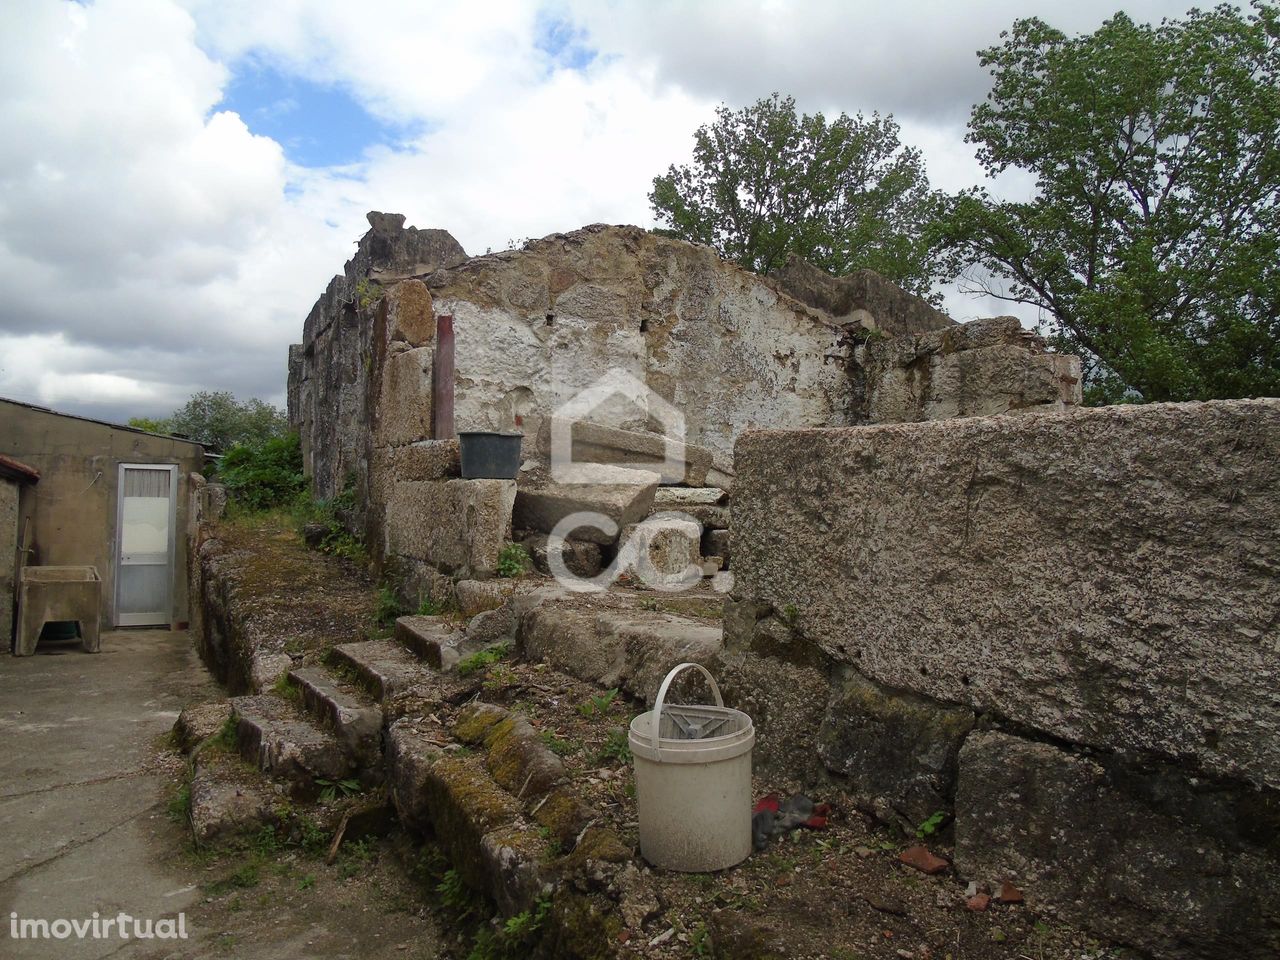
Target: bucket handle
pixel 656 722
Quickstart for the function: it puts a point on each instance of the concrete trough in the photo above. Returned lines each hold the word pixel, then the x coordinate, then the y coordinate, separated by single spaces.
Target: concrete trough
pixel 47 594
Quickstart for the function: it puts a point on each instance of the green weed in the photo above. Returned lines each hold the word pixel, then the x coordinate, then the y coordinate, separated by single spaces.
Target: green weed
pixel 455 896
pixel 513 560
pixel 481 661
pixel 561 748
pixel 616 749
pixel 598 705
pixel 331 790
pixel 286 688
pixel 931 825
pixel 388 607
pixel 179 807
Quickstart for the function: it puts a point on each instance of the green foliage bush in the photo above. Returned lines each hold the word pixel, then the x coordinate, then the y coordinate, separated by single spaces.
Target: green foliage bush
pixel 264 475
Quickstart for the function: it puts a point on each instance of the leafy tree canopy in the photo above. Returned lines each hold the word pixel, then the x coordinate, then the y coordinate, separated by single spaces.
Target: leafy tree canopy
pixel 1153 240
pixel 765 183
pixel 220 421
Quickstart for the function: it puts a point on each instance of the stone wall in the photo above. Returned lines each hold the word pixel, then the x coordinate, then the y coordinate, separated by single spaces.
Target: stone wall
pixel 729 349
pixel 968 370
pixel 678 333
pixel 723 346
pixel 1063 628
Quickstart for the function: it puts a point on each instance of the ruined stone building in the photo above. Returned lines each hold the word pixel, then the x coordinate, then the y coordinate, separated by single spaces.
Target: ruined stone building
pixel 729 350
pixel 949 588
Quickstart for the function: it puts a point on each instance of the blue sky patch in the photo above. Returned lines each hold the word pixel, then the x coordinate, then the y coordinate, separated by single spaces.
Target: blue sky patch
pixel 318 125
pixel 564 43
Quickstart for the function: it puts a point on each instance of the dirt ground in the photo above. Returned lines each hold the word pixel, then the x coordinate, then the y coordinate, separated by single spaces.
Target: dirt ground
pixel 839 893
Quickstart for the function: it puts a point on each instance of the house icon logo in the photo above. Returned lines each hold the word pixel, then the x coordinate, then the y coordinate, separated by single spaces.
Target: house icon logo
pixel 618 384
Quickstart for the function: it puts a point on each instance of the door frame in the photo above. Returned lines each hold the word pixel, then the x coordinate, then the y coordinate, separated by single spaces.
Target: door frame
pixel 132 620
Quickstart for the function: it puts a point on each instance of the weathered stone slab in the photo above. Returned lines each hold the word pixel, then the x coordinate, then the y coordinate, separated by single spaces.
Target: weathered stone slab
pixel 412 747
pixel 581 557
pixel 458 525
pixel 1106 577
pixel 897 751
pixel 431 639
pixel 421 460
pixel 386 668
pixel 477 596
pixel 541 508
pixel 632 650
pixel 665 546
pixel 676 498
pixel 410 314
pixel 711 517
pixel 675 461
pixel 403 413
pixel 357 723
pixel 225 806
pixel 282 744
pixel 653 643
pixel 862 298
pixel 200 721
pixel 974 369
pixel 1136 854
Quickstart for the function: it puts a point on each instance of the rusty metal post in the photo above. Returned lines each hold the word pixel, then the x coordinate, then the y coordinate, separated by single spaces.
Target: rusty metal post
pixel 442 380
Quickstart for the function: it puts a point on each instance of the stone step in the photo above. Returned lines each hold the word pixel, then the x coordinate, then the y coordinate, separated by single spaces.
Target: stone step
pixel 677 498
pixel 432 639
pixel 356 721
pixel 227 800
pixel 452 797
pixel 274 736
pixel 629 649
pixel 386 669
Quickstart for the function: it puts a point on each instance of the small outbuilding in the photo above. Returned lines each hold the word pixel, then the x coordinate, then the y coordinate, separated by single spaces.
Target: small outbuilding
pixel 86 493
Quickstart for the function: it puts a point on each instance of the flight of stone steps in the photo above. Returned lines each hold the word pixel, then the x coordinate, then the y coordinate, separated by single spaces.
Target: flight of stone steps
pixel 394 723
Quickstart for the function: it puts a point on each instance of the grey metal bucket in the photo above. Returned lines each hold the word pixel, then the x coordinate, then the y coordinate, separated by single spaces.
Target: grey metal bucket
pixel 489 455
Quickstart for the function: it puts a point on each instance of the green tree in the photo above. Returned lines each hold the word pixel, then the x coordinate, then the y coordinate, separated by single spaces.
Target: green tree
pixel 265 474
pixel 1151 243
pixel 765 183
pixel 150 424
pixel 220 421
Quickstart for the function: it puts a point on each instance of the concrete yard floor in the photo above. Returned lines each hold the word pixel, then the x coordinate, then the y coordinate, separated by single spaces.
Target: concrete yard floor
pixel 84 782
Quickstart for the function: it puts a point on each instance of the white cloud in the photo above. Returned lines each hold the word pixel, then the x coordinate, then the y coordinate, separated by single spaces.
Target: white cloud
pixel 151 244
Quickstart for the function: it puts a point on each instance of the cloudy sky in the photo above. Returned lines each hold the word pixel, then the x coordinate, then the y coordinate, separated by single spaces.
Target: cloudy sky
pixel 180 178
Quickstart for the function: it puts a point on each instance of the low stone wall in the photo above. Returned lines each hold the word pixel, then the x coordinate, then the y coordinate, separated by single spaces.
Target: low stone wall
pixel 457 526
pixel 248 630
pixel 1064 628
pixel 968 370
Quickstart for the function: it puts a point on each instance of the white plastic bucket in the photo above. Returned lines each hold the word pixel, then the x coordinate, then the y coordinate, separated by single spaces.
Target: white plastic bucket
pixel 693 781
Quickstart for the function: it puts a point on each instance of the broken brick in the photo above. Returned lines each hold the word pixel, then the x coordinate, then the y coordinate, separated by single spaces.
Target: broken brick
pixel 1009 893
pixel 978 902
pixel 924 861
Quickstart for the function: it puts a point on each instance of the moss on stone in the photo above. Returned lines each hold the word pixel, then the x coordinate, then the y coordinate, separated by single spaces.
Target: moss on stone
pixel 464 805
pixel 563 815
pixel 600 844
pixel 507 760
pixel 581 928
pixel 476 721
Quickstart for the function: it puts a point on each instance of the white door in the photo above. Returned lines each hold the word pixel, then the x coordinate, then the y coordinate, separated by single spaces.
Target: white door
pixel 144 555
